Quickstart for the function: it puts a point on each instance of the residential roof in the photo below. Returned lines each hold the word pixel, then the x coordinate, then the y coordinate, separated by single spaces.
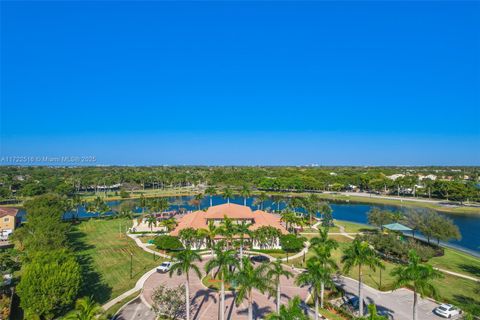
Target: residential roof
pixel 8 211
pixel 199 219
pixel 396 227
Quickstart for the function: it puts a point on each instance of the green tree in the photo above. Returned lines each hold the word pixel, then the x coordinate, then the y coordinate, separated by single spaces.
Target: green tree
pixel 293 311
pixel 417 276
pixel 50 283
pixel 151 221
pixel 86 309
pixel 245 193
pixel 184 262
pixel 227 194
pixel 248 278
pixel 222 261
pixel 242 229
pixel 379 218
pixel 360 254
pixel 275 272
pixel 228 230
pixel 211 191
pixel 314 277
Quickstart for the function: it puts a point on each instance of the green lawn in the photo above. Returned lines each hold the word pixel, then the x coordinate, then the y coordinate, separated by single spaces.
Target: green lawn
pixel 458 291
pixel 105 255
pixel 352 227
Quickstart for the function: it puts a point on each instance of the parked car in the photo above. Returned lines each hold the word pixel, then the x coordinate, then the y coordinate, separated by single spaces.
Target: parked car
pixel 259 259
pixel 352 303
pixel 447 310
pixel 164 267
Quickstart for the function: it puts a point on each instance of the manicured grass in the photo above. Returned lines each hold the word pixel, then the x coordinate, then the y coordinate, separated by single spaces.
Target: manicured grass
pixel 458 261
pixel 105 256
pixel 352 227
pixel 455 290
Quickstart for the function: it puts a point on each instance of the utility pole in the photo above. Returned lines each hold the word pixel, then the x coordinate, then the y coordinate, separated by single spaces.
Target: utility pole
pixel 131 265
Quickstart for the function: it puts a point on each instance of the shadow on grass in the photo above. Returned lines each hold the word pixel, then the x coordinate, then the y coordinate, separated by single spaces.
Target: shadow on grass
pixel 471 269
pixel 91 280
pixel 467 304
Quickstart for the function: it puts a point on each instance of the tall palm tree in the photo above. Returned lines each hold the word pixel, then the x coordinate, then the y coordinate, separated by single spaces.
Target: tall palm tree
pixel 227 229
pixel 227 194
pixel 315 277
pixel 211 191
pixel 151 221
pixel 170 224
pixel 222 261
pixel 293 311
pixel 262 198
pixel 245 193
pixel 142 203
pixel 242 229
pixel 360 254
pixel 210 234
pixel 277 200
pixel 248 278
pixel 86 309
pixel 327 265
pixel 276 271
pixel 323 240
pixel 184 262
pixel 417 276
pixel 198 198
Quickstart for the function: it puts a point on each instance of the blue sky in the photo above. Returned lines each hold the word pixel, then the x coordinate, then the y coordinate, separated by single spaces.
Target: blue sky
pixel 333 83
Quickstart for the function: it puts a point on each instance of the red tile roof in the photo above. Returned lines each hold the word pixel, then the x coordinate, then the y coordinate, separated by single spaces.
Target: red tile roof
pixel 199 219
pixel 8 211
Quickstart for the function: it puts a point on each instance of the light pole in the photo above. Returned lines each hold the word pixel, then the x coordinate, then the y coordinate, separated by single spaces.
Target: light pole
pixel 131 265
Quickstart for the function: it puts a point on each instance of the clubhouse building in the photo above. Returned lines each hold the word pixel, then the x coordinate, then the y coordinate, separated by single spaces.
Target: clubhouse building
pixel 237 213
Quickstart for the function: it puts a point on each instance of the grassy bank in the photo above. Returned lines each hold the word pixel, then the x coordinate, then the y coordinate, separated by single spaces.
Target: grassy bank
pixel 459 291
pixel 105 255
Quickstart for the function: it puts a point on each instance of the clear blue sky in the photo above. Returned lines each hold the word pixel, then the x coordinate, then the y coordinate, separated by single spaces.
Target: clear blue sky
pixel 333 83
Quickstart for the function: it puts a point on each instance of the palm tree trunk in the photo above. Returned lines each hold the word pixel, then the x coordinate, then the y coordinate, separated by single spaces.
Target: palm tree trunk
pixel 250 307
pixel 316 307
pixel 241 254
pixel 222 301
pixel 278 295
pixel 245 201
pixel 414 305
pixel 187 298
pixel 360 300
pixel 321 294
pixel 211 201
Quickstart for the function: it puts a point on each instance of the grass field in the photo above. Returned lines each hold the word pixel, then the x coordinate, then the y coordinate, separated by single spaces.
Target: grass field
pixel 105 256
pixel 458 291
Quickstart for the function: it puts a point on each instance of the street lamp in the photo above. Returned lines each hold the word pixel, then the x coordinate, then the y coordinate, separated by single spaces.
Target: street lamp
pixel 131 265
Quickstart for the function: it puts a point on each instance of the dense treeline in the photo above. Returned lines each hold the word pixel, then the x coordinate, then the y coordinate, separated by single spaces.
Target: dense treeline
pixel 456 183
pixel 51 275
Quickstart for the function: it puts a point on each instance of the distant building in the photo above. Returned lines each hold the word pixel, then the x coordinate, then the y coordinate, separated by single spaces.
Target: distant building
pixel 237 213
pixel 430 176
pixel 395 176
pixel 8 221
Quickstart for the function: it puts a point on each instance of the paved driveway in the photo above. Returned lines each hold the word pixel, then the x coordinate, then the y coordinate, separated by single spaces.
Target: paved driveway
pixel 205 302
pixel 136 310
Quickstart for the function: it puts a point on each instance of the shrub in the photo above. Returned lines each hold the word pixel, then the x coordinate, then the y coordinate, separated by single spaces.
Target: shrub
pixel 291 242
pixel 123 194
pixel 167 242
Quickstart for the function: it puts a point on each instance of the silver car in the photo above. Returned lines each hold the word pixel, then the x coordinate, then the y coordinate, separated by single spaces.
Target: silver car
pixel 447 310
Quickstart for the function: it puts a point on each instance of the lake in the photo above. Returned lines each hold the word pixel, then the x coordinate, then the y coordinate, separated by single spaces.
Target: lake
pixel 355 212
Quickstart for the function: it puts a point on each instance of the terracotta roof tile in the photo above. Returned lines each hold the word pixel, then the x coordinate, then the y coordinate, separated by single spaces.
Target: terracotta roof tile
pixel 8 211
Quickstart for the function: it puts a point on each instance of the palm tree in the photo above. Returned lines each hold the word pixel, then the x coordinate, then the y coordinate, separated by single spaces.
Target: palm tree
pixel 323 240
pixel 151 221
pixel 184 262
pixel 245 193
pixel 211 191
pixel 360 254
pixel 198 199
pixel 227 229
pixel 276 271
pixel 143 203
pixel 227 194
pixel 293 311
pixel 170 224
pixel 323 258
pixel 248 278
pixel 86 309
pixel 277 200
pixel 210 234
pixel 188 236
pixel 75 204
pixel 262 198
pixel 417 276
pixel 242 229
pixel 222 261
pixel 315 277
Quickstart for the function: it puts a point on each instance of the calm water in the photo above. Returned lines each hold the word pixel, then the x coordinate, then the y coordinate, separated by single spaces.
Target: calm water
pixel 469 225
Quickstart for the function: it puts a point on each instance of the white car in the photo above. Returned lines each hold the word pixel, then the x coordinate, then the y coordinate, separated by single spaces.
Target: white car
pixel 447 310
pixel 164 267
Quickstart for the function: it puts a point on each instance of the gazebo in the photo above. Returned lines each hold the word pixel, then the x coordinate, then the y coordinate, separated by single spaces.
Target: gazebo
pixel 398 227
